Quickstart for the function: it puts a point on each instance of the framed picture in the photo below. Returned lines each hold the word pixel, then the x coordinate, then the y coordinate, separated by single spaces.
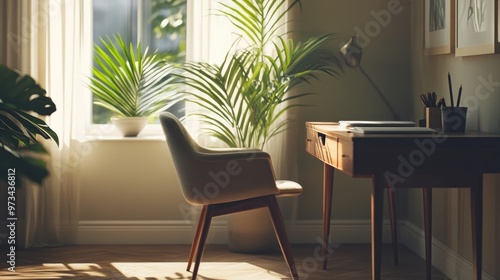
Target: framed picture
pixel 477 27
pixel 439 23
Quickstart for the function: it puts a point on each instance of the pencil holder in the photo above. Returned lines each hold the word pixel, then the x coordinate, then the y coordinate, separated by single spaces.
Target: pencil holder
pixel 433 117
pixel 454 119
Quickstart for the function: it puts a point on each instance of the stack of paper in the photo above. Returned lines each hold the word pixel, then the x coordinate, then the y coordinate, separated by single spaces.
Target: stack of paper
pixel 349 124
pixel 384 127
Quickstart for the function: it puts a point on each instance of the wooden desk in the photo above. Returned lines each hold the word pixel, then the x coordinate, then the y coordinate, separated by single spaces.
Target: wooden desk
pixel 407 161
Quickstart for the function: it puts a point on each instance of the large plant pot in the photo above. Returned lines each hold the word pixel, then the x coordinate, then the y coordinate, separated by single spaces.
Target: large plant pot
pixel 130 126
pixel 252 232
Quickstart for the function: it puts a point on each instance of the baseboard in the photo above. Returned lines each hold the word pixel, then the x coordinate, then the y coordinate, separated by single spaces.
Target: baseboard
pixel 449 262
pixel 181 232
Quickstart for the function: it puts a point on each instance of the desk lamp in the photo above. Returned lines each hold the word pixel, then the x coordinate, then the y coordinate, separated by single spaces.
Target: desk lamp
pixel 352 52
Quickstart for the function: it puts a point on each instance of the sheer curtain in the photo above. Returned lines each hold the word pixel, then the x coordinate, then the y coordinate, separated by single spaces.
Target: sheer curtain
pixel 65 84
pixel 44 40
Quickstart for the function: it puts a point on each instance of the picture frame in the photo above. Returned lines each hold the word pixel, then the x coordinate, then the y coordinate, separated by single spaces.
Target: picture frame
pixel 439 27
pixel 476 27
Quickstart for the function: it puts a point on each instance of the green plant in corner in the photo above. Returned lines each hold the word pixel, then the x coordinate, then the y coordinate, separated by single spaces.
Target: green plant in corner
pixel 131 82
pixel 19 146
pixel 245 98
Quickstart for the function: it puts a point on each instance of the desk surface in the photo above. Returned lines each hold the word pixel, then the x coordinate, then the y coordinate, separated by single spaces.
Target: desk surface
pixel 362 155
pixel 333 129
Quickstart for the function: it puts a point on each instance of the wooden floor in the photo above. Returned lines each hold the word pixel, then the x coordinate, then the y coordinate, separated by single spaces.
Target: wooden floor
pixel 165 262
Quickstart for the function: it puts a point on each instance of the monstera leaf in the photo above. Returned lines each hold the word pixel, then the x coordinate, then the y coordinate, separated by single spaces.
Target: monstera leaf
pixel 19 147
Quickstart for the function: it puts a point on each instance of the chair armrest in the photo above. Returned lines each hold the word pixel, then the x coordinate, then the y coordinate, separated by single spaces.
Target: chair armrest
pixel 233 154
pixel 226 150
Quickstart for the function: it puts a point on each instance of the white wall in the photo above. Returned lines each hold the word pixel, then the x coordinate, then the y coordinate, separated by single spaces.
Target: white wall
pixel 129 180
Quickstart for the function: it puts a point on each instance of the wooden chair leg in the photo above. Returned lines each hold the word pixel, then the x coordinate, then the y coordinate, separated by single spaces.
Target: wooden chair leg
pixel 202 240
pixel 196 239
pixel 279 228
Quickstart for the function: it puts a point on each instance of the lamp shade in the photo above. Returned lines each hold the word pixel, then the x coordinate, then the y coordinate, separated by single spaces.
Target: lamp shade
pixel 352 52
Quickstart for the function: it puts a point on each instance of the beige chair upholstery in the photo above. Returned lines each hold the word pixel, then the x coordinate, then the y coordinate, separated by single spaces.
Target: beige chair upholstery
pixel 224 182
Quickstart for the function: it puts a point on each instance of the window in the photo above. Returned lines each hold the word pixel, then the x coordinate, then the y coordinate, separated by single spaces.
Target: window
pixel 159 24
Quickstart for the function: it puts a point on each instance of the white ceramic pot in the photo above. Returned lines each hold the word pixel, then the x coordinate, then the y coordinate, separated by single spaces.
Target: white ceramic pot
pixel 130 126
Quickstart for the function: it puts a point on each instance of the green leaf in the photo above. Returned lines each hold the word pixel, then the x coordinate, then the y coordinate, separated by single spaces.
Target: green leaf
pixel 33 168
pixel 23 93
pixel 132 82
pixel 19 130
pixel 246 94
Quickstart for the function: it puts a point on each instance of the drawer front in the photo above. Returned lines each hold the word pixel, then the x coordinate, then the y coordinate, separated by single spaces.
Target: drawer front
pixel 323 147
pixel 311 143
pixel 346 157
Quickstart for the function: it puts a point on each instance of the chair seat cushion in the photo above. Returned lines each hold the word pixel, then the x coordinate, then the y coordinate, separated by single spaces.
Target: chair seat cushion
pixel 288 188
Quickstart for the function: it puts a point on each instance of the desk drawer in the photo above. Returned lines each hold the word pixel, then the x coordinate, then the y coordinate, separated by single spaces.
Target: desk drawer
pixel 346 157
pixel 323 147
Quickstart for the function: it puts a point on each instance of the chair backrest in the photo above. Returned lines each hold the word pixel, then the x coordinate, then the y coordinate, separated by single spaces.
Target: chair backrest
pixel 183 148
pixel 199 169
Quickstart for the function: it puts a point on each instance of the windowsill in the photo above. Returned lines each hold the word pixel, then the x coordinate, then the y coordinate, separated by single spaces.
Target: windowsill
pixel 139 138
pixel 152 132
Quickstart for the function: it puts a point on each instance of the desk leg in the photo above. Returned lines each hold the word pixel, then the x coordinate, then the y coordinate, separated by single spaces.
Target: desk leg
pixel 327 210
pixel 427 195
pixel 391 193
pixel 477 227
pixel 377 209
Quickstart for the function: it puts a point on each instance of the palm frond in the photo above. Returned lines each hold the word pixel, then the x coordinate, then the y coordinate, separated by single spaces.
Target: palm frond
pixel 246 97
pixel 130 81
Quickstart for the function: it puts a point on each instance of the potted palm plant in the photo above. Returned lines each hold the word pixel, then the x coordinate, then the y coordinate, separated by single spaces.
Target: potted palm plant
pixel 244 99
pixel 132 83
pixel 246 95
pixel 21 151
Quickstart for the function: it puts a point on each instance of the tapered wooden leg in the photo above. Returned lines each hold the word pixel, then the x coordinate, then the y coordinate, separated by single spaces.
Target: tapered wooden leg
pixel 476 195
pixel 328 173
pixel 377 209
pixel 196 239
pixel 279 228
pixel 391 193
pixel 202 240
pixel 427 195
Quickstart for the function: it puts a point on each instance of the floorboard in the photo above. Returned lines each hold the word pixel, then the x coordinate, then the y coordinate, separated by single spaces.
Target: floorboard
pixel 165 262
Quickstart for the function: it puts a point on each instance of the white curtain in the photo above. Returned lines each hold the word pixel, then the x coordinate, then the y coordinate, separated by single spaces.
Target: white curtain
pixel 44 40
pixel 65 84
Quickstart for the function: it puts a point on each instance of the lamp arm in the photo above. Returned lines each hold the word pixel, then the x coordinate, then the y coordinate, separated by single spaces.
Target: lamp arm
pixel 394 114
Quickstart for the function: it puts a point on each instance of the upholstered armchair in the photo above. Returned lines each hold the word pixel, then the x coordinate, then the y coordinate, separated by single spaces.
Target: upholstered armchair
pixel 225 182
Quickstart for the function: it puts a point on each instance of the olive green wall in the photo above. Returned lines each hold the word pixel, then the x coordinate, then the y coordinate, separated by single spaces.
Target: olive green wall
pixel 394 58
pixel 480 78
pixel 383 30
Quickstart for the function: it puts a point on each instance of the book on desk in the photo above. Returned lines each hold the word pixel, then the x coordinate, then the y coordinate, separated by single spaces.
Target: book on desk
pixel 384 127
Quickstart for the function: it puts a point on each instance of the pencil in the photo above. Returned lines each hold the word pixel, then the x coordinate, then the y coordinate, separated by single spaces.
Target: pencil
pixel 459 96
pixel 451 89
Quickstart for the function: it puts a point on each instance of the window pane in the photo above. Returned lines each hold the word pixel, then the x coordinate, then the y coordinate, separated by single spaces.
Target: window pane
pixel 162 27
